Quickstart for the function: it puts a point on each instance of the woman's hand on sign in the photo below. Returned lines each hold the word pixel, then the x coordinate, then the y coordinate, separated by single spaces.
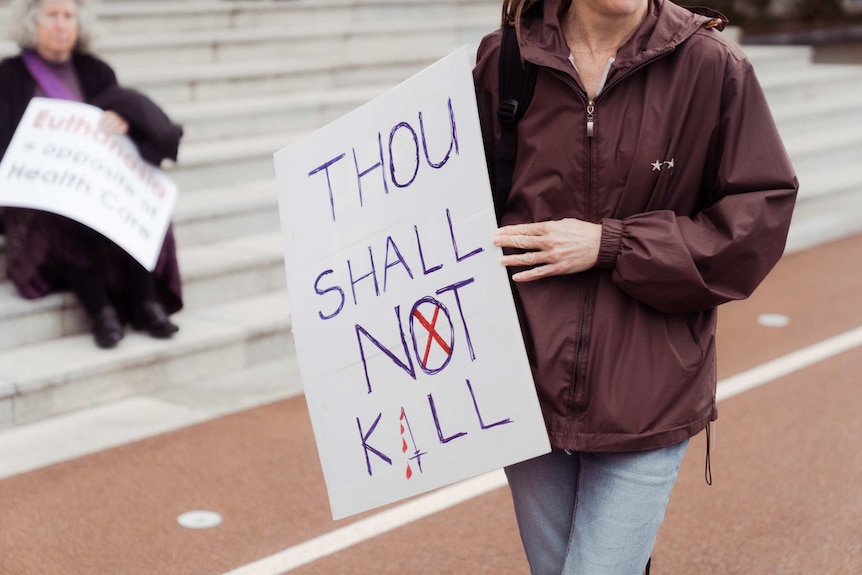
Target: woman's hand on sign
pixel 113 123
pixel 550 248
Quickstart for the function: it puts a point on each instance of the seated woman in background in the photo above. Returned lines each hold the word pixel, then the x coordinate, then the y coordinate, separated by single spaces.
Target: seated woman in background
pixel 46 252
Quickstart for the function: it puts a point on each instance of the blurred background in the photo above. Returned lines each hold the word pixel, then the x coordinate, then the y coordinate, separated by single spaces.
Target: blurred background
pixel 832 27
pixel 105 442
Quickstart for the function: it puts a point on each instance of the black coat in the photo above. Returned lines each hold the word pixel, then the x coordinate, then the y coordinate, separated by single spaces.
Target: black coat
pixel 156 136
pixel 31 254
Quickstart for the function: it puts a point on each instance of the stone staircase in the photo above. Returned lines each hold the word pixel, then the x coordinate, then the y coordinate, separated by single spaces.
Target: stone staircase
pixel 246 78
pixel 818 111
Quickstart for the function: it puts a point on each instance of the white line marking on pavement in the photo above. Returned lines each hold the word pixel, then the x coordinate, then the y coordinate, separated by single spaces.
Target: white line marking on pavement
pixel 789 363
pixel 360 531
pixel 372 526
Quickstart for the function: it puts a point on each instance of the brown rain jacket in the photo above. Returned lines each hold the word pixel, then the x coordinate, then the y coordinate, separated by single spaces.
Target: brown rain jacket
pixel 694 190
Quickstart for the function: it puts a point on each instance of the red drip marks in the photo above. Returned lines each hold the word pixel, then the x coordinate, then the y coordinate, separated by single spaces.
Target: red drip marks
pixel 404 447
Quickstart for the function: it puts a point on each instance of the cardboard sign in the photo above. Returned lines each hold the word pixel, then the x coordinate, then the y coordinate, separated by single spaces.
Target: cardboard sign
pixel 409 347
pixel 60 162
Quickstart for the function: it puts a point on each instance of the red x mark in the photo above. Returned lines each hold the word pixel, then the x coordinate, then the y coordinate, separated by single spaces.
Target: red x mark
pixel 432 334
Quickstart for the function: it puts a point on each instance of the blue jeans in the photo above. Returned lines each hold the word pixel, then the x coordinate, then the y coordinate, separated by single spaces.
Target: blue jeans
pixel 592 513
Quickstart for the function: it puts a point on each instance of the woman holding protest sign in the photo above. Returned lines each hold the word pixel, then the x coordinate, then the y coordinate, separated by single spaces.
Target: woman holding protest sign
pixel 47 252
pixel 644 185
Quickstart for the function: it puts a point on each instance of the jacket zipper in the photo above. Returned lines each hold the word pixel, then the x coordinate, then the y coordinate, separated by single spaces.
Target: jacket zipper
pixel 591 131
pixel 591 108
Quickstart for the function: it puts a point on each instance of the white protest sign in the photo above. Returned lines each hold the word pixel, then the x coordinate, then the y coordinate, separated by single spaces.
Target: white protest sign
pixel 60 162
pixel 408 342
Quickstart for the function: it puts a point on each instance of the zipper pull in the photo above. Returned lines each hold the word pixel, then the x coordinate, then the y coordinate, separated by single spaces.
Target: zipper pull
pixel 591 107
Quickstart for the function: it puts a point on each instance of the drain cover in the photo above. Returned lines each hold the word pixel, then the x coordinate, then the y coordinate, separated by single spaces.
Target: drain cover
pixel 199 519
pixel 773 320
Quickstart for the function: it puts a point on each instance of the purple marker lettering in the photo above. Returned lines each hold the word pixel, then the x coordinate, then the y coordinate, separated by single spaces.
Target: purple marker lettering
pixel 406 365
pixel 372 274
pixel 454 289
pixel 455 243
pixel 327 290
pixel 397 127
pixel 367 448
pixel 425 270
pixel 453 142
pixel 360 175
pixel 478 413
pixel 437 423
pixel 325 168
pixel 391 246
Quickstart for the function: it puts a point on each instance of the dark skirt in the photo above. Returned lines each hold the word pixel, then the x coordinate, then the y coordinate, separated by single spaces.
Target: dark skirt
pixel 39 244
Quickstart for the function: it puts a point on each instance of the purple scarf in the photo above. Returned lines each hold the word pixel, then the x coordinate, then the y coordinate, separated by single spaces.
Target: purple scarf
pixel 45 77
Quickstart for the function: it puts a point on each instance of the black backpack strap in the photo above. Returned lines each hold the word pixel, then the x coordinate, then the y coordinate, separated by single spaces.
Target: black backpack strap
pixel 517 81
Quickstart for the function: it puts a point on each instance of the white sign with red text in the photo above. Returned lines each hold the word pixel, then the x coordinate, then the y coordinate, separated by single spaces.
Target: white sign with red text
pixel 59 161
pixel 409 347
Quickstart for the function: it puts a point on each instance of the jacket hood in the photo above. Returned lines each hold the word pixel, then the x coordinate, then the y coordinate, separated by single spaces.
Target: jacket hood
pixel 665 27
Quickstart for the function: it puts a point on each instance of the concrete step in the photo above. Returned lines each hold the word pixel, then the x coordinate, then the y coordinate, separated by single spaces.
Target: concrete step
pixel 311 40
pixel 237 268
pixel 829 206
pixel 23 322
pixel 209 215
pixel 95 428
pixel 248 266
pixel 277 76
pixel 194 31
pixel 228 161
pixel 840 145
pixel 154 16
pixel 819 113
pixel 809 82
pixel 390 62
pixel 282 112
pixel 779 57
pixel 218 34
pixel 213 341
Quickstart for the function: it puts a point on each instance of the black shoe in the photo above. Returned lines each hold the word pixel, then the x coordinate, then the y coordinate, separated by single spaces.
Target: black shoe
pixel 152 318
pixel 107 329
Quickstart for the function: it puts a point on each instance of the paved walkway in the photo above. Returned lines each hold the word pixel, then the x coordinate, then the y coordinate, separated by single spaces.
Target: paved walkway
pixel 787 470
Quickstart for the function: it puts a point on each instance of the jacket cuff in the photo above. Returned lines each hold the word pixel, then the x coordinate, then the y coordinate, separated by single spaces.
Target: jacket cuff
pixel 612 233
